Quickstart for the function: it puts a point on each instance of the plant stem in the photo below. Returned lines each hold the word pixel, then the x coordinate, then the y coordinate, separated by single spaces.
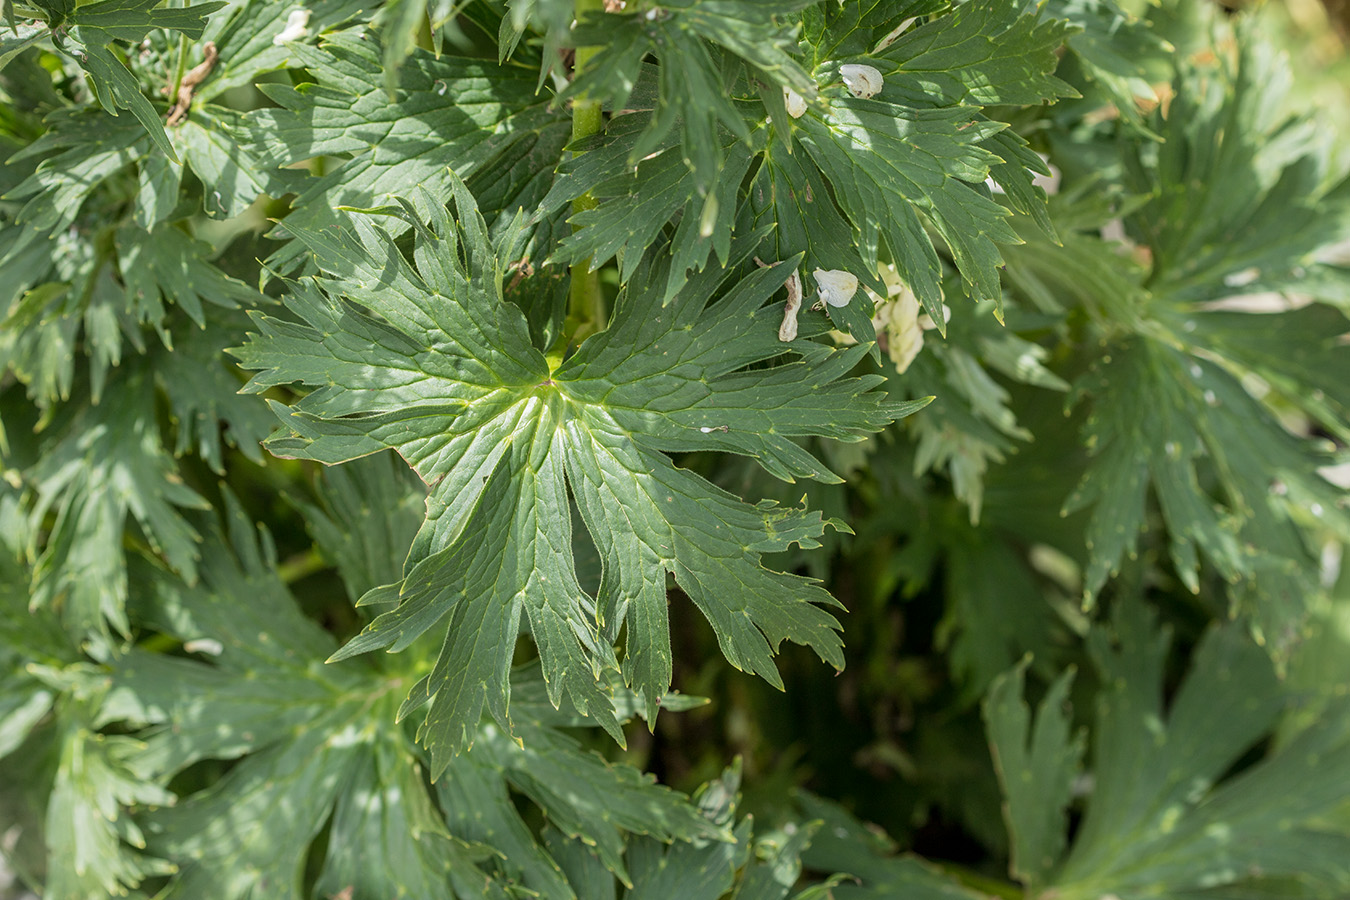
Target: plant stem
pixel 586 305
pixel 180 71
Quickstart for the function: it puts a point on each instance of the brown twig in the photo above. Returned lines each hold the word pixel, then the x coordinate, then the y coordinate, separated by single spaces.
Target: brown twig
pixel 188 86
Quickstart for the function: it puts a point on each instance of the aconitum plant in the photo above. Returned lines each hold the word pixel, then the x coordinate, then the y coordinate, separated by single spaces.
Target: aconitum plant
pixel 685 450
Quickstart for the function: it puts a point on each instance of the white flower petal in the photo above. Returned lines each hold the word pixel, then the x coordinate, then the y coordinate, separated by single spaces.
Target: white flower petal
pixel 862 81
pixel 900 318
pixel 296 27
pixel 796 106
pixel 835 286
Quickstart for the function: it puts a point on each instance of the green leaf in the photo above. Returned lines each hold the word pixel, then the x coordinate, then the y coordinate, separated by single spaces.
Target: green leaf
pixel 1036 769
pixel 252 685
pixel 116 88
pixel 388 839
pixel 888 163
pixel 398 22
pixel 73 166
pixel 1239 196
pixel 159 181
pixel 313 741
pixel 13 42
pixel 1160 418
pixel 1160 822
pixel 129 20
pixel 986 53
pixel 972 424
pixel 699 870
pixel 995 608
pixel 791 193
pixel 367 516
pixel 587 798
pixel 99 464
pixel 88 831
pixel 498 435
pixel 245 33
pixel 846 846
pixel 477 115
pixel 919 153
pixel 474 793
pixel 637 202
pixel 232 178
pixel 698 43
pixel 202 389
pixel 1117 51
pixel 779 866
pixel 166 264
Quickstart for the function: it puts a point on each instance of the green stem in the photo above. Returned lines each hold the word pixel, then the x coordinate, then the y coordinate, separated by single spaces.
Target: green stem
pixel 181 69
pixel 586 306
pixel 301 565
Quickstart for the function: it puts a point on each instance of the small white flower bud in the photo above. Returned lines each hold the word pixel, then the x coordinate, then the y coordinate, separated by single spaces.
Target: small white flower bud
pixel 296 27
pixel 208 646
pixel 835 286
pixel 796 106
pixel 862 81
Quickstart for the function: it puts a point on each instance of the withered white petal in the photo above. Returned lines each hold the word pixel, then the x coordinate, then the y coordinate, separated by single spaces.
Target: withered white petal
pixel 835 286
pixel 796 106
pixel 862 81
pixel 788 330
pixel 296 27
pixel 894 34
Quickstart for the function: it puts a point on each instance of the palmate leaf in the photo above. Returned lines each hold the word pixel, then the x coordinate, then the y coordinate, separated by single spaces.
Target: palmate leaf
pixel 113 84
pixel 698 43
pixel 245 36
pixel 584 797
pixel 1162 418
pixel 918 153
pixel 430 361
pixel 1237 201
pixel 313 741
pixel 453 117
pixel 76 285
pixel 913 158
pixel 1117 52
pixel 1241 194
pixel 82 780
pixel 310 742
pixel 1160 822
pixel 636 202
pixel 1036 768
pixel 99 466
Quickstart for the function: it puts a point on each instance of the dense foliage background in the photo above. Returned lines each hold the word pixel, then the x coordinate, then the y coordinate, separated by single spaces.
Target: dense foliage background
pixel 503 295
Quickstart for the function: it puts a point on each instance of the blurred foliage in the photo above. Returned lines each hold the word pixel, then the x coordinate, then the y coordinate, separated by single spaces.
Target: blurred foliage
pixel 1095 617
